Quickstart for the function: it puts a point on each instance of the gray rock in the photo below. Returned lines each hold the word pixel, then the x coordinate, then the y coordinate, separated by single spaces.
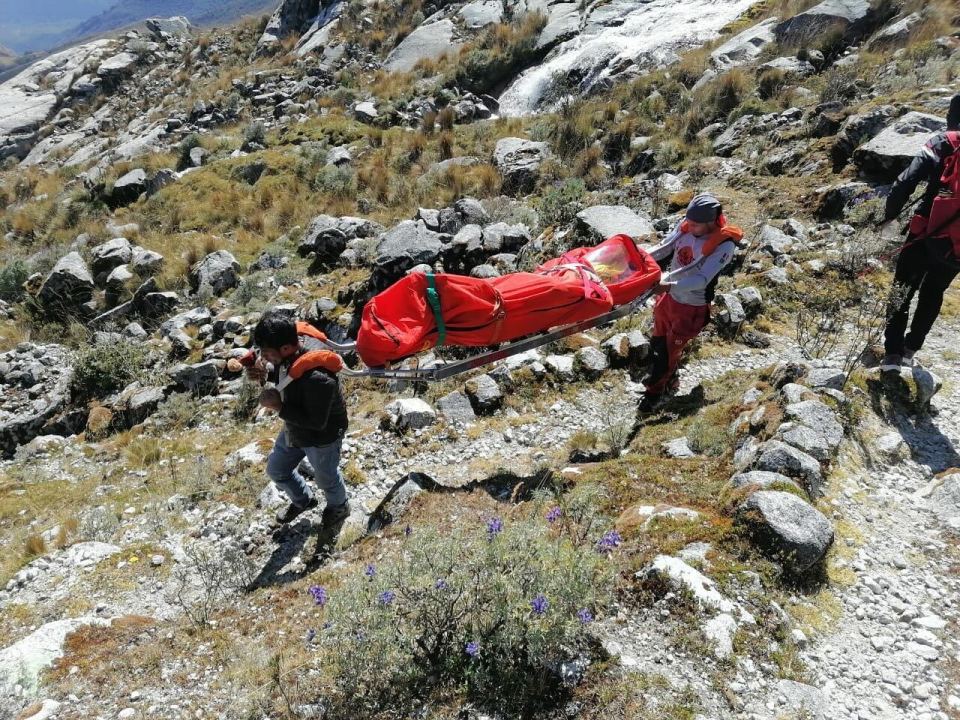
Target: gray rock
pixel 777 276
pixel 896 33
pixel 830 15
pixel 249 172
pixel 327 236
pixel 603 221
pixel 626 348
pixel 118 65
pixel 69 285
pixel 787 527
pixel 198 156
pixel 751 299
pixel 678 448
pixel 365 112
pixel 138 403
pixel 176 27
pixel 860 128
pixel 405 246
pixel 161 179
pixel 792 67
pixel 775 242
pixel 560 365
pixel 731 314
pixel 485 394
pixel 146 262
pixel 105 257
pixel 892 447
pixel 778 457
pixel 481 13
pixel 411 414
pixel 339 156
pixel 762 479
pixel 117 279
pixel 818 417
pixel 456 407
pixel 745 46
pixel 892 150
pixel 590 363
pixel 803 438
pixel 518 161
pixel 200 379
pixel 216 273
pixel 734 136
pixel 128 188
pixel 292 17
pixel 427 42
pixel 945 501
pixel 563 23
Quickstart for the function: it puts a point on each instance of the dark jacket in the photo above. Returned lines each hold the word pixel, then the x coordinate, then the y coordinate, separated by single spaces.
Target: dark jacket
pixel 927 165
pixel 314 410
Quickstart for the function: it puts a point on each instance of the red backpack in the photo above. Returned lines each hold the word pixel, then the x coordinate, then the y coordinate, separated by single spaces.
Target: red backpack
pixel 944 218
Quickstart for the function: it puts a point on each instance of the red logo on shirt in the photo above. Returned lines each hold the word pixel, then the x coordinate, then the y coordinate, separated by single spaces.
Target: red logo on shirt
pixel 685 255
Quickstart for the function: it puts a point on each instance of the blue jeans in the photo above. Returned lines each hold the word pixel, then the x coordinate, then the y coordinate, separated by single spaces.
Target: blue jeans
pixel 325 461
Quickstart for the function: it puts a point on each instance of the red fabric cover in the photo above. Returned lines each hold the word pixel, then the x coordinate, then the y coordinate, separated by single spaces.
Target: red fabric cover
pixel 645 271
pixel 399 322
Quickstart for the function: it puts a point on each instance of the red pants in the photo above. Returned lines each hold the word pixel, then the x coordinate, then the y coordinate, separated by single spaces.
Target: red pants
pixel 674 325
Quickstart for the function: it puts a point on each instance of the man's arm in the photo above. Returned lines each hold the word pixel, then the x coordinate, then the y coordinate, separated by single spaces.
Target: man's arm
pixel 922 167
pixel 318 392
pixel 702 273
pixel 663 250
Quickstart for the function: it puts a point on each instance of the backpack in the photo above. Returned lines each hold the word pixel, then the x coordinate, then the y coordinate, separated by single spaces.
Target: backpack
pixel 944 220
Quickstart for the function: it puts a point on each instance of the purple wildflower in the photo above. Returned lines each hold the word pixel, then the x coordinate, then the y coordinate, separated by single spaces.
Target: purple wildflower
pixel 554 515
pixel 311 634
pixel 473 649
pixel 609 541
pixel 584 616
pixel 386 597
pixel 327 625
pixel 370 571
pixel 540 604
pixel 441 584
pixel 319 595
pixel 494 527
pixel 408 531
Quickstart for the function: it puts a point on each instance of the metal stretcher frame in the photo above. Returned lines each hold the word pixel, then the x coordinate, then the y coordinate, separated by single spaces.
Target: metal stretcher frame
pixel 442 372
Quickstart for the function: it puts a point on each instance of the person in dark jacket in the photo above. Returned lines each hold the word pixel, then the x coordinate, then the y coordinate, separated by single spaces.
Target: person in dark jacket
pixel 315 420
pixel 918 272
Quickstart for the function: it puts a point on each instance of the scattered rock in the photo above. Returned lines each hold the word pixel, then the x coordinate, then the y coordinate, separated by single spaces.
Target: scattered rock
pixel 787 527
pixel 410 414
pixel 518 161
pixel 778 457
pixel 604 221
pixel 216 273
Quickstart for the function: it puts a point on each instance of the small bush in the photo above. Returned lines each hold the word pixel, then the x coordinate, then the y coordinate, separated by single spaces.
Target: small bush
pixel 190 142
pixel 255 132
pixel 104 369
pixel 491 612
pixel 337 183
pixel 446 118
pixel 560 205
pixel 771 82
pixel 12 277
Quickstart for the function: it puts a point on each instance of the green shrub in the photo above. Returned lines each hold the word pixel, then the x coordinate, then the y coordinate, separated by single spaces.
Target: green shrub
pixel 490 613
pixel 255 132
pixel 12 276
pixel 190 142
pixel 336 182
pixel 106 368
pixel 501 52
pixel 560 204
pixel 771 82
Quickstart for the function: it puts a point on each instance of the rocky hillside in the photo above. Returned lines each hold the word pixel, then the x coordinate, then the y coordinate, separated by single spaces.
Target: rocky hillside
pixel 780 541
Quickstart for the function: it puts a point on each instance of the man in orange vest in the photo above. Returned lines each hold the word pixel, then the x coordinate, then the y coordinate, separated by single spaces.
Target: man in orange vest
pixel 919 272
pixel 698 249
pixel 309 400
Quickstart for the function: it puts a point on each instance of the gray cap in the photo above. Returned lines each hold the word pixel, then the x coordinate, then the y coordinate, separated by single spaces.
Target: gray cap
pixel 704 208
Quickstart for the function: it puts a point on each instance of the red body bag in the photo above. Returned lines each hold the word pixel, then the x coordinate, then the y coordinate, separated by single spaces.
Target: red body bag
pixel 401 321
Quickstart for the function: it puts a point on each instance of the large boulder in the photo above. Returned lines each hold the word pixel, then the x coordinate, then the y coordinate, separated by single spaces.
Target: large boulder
pixel 292 17
pixel 127 188
pixel 893 149
pixel 744 47
pixel 518 161
pixel 410 414
pixel 199 379
pixel 109 255
pixel 858 129
pixel 846 16
pixel 69 285
pixel 787 527
pixel 481 13
pixel 603 221
pixel 819 418
pixel 175 27
pixel 896 33
pixel 404 247
pixel 216 273
pixel 484 394
pixel 427 42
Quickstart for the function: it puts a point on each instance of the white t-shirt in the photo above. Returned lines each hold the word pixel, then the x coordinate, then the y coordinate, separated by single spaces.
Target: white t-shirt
pixel 689 269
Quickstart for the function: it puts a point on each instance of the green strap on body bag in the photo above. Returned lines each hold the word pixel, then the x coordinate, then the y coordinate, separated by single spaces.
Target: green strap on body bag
pixel 433 297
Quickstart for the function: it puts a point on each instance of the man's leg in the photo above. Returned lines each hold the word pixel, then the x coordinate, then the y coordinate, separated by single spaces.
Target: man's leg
pixel 659 356
pixel 911 267
pixel 929 302
pixel 683 324
pixel 326 467
pixel 282 469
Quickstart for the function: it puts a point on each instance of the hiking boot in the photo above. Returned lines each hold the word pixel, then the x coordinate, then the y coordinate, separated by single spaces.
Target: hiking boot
pixel 649 403
pixel 293 511
pixel 332 514
pixel 891 361
pixel 907 359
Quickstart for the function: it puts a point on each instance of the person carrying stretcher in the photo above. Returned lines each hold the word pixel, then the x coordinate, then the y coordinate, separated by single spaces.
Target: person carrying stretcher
pixel 698 249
